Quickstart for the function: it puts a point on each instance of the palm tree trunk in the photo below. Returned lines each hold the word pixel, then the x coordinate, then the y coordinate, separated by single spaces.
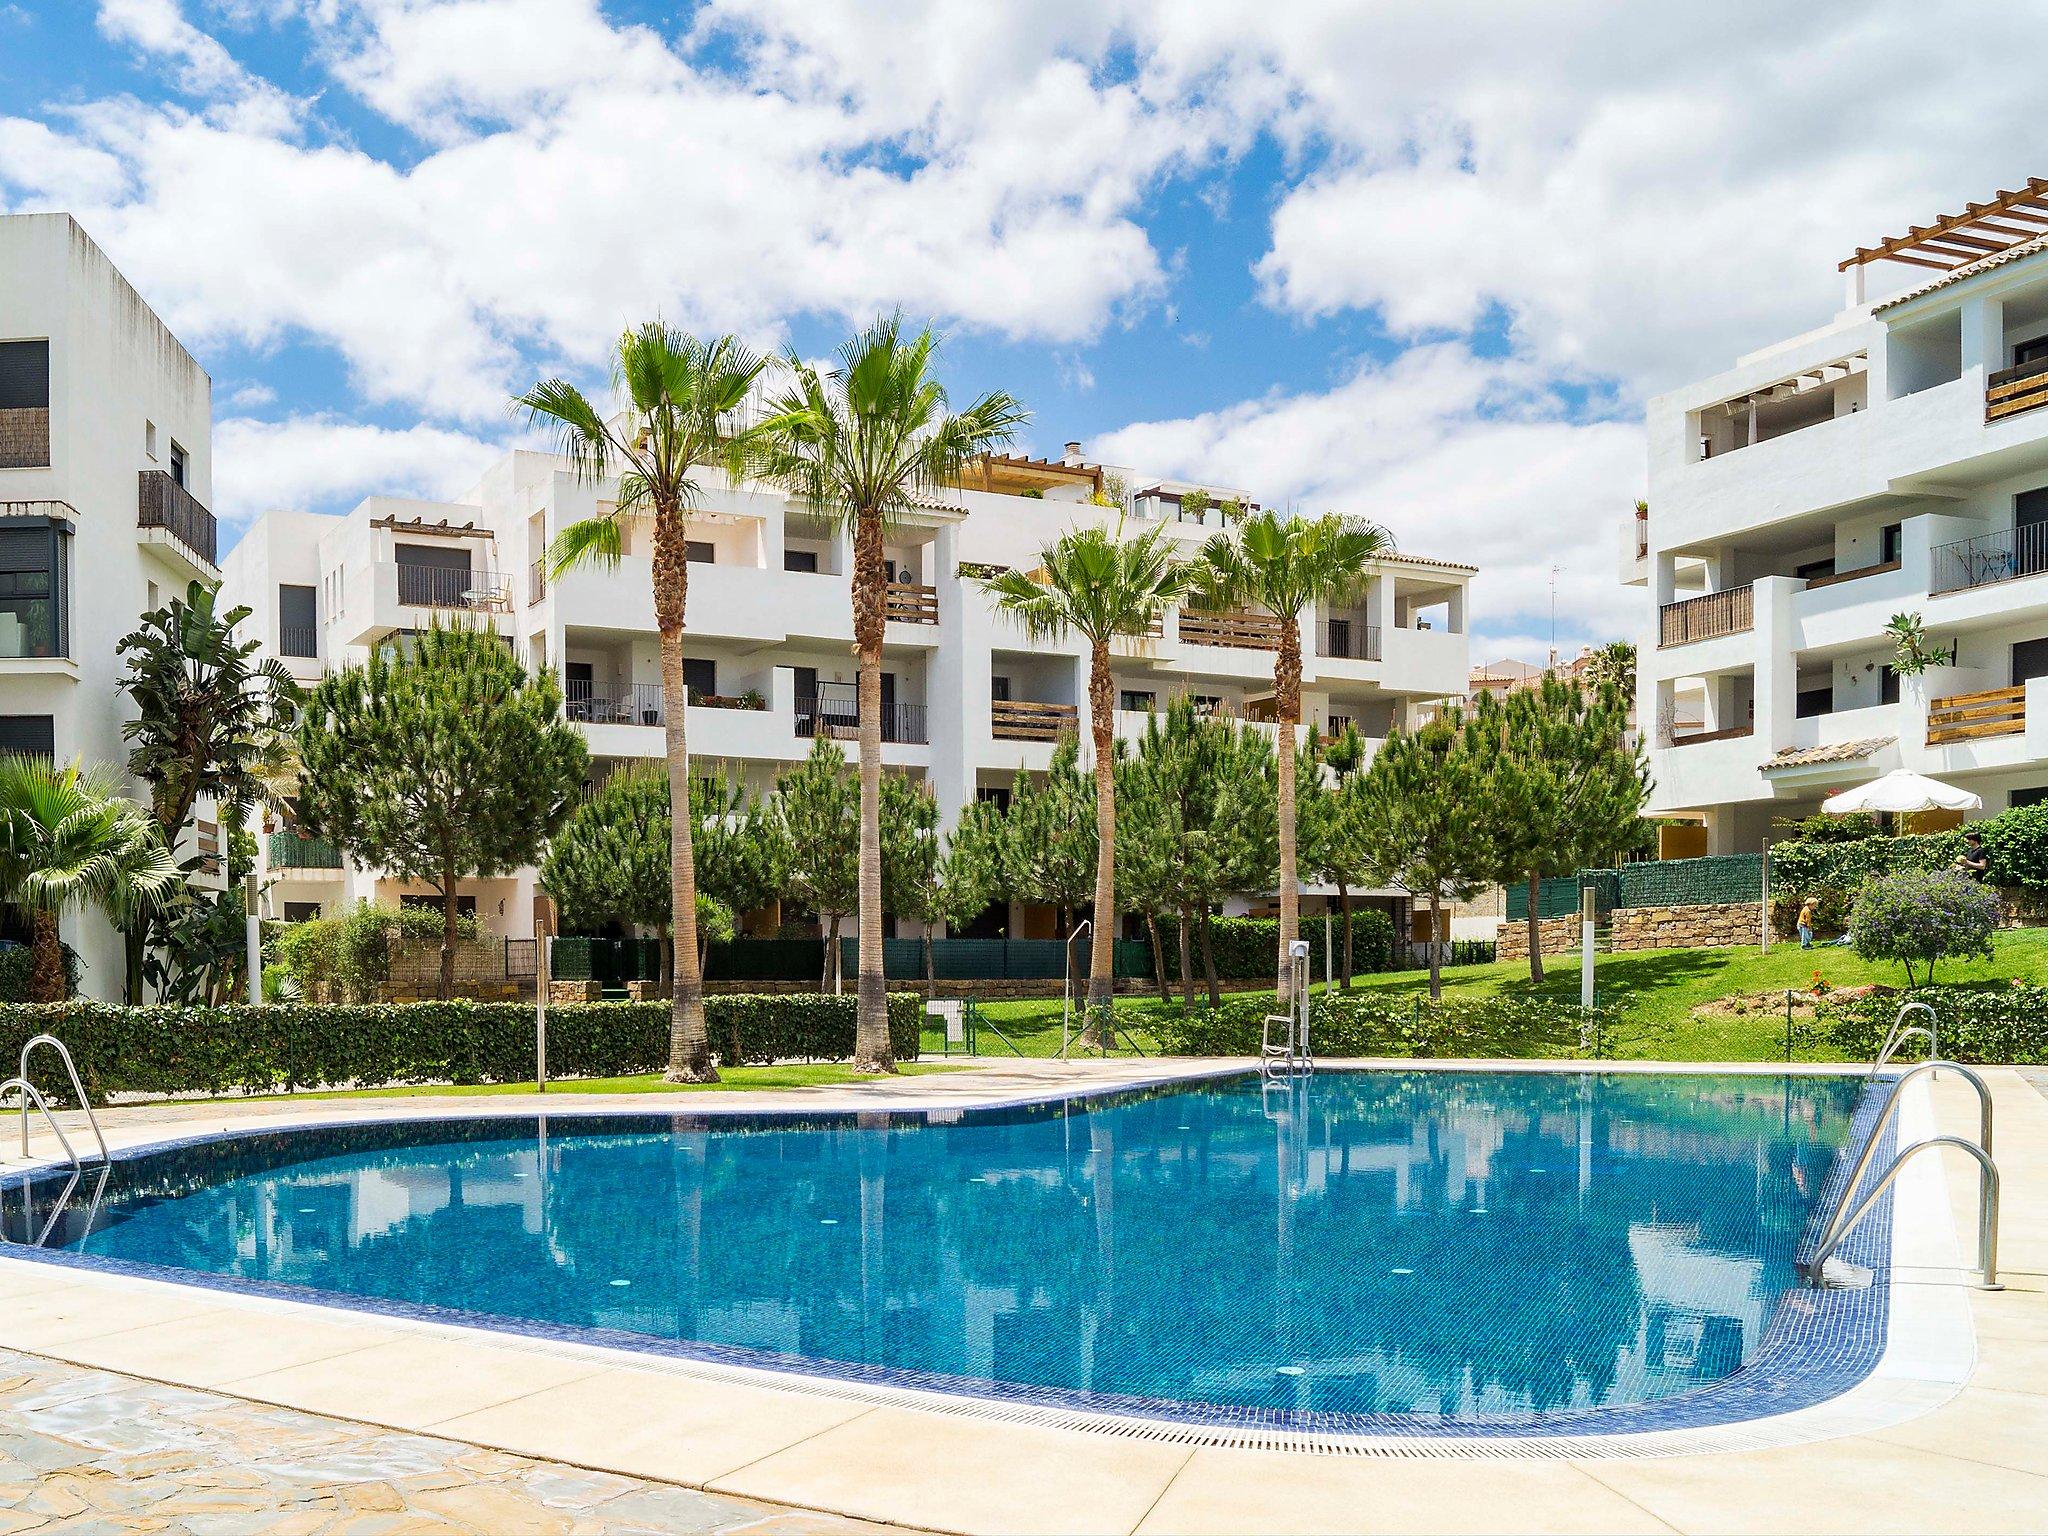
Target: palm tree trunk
pixel 1102 936
pixel 46 960
pixel 871 1050
pixel 1287 691
pixel 689 1043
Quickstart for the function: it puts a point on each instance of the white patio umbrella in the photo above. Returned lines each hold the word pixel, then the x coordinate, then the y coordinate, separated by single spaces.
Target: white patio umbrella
pixel 1901 791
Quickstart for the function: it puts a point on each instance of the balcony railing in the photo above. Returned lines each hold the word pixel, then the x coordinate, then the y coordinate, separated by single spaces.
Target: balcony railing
pixel 1028 720
pixel 908 603
pixel 1733 733
pixel 1835 579
pixel 1704 618
pixel 163 503
pixel 25 437
pixel 1347 640
pixel 838 717
pixel 288 850
pixel 1967 716
pixel 628 704
pixel 1238 630
pixel 536 581
pixel 433 586
pixel 1642 534
pixel 2001 556
pixel 2012 390
pixel 298 640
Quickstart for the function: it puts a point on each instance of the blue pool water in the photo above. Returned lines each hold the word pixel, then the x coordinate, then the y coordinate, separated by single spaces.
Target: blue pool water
pixel 1465 1247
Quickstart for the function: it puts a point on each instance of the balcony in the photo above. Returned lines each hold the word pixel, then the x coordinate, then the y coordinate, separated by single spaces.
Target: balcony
pixel 1707 617
pixel 906 602
pixel 25 438
pixel 460 587
pixel 288 850
pixel 1236 630
pixel 1991 557
pixel 1971 716
pixel 2013 390
pixel 838 718
pixel 298 640
pixel 1027 720
pixel 164 504
pixel 1346 640
pixel 627 704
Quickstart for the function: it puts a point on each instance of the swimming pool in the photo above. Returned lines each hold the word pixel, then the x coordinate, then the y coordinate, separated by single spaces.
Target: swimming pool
pixel 1427 1251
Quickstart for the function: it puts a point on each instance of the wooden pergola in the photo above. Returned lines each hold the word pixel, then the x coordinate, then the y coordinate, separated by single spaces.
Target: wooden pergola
pixel 1958 239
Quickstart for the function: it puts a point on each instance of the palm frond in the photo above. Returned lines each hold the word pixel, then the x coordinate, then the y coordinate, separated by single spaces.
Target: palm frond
pixel 590 541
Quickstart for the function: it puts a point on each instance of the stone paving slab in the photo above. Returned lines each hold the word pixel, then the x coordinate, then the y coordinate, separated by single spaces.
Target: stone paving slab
pixel 86 1451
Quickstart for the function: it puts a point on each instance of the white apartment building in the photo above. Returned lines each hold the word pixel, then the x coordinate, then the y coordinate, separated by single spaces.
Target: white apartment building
pixel 105 474
pixel 970 703
pixel 1894 460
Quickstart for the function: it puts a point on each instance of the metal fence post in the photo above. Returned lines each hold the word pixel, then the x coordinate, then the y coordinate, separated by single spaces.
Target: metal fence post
pixel 541 971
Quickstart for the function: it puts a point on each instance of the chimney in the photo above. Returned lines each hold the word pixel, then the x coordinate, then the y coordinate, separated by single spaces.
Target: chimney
pixel 1073 454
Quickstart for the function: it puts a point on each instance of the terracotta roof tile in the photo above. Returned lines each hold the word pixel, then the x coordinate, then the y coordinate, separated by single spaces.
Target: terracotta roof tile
pixel 1841 752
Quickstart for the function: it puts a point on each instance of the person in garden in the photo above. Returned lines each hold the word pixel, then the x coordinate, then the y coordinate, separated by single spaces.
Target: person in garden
pixel 1973 860
pixel 1807 911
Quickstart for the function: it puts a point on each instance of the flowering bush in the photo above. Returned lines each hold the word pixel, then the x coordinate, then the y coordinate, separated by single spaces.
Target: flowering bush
pixel 1920 916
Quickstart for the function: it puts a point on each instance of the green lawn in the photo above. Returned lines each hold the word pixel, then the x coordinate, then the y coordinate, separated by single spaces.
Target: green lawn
pixel 1657 989
pixel 820 1074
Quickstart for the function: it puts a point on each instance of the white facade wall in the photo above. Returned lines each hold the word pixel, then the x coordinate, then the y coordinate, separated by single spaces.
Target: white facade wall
pixel 120 385
pixel 1864 507
pixel 765 629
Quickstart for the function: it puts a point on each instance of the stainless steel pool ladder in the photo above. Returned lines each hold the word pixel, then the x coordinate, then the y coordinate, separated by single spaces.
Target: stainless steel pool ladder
pixel 1290 1055
pixel 28 1091
pixel 1901 1032
pixel 1843 1217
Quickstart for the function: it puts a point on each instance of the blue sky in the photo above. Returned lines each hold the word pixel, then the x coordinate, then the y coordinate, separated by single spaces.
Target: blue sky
pixel 1420 259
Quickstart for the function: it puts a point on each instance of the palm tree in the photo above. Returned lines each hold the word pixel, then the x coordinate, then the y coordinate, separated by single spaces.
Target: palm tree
pixel 1283 565
pixel 858 444
pixel 1614 666
pixel 1094 583
pixel 68 836
pixel 679 395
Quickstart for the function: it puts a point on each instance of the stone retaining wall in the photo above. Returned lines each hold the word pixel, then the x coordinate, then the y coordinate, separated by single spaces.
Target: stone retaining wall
pixel 1713 925
pixel 1557 935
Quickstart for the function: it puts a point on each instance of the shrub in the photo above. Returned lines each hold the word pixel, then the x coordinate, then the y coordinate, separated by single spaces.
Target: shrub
pixel 1248 948
pixel 2006 1024
pixel 2015 843
pixel 342 959
pixel 1830 919
pixel 15 964
pixel 304 1045
pixel 1919 917
pixel 1375 1024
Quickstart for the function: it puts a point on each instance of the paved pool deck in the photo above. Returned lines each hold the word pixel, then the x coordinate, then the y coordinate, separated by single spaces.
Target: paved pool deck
pixel 1950 1435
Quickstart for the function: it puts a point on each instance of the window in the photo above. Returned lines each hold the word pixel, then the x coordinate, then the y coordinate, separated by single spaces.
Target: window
pixel 34 605
pixel 700 676
pixel 24 375
pixel 2032 795
pixel 995 795
pixel 1815 701
pixel 1814 568
pixel 1206 703
pixel 698 551
pixel 2032 351
pixel 303 911
pixel 178 463
pixel 298 631
pixel 433 575
pixel 1891 543
pixel 28 735
pixel 1887 685
pixel 1138 701
pixel 805 560
pixel 149 438
pixel 999 690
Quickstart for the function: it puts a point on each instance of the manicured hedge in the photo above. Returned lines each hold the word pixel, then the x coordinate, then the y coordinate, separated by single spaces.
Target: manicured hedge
pixel 2015 844
pixel 1364 1024
pixel 303 1045
pixel 1249 947
pixel 2005 1024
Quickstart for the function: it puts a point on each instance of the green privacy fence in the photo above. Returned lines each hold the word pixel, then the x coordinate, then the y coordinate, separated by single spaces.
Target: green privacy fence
pixel 615 962
pixel 1652 883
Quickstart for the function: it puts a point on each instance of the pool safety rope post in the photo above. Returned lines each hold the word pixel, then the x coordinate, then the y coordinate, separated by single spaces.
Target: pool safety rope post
pixel 1843 1218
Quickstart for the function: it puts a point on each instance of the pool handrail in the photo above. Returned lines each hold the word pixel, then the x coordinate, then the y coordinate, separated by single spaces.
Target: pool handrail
pixel 30 1091
pixel 1987 1209
pixel 1901 1032
pixel 77 1089
pixel 1842 1218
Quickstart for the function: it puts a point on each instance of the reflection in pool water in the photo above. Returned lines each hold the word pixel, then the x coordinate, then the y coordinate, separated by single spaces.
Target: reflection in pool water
pixel 1474 1246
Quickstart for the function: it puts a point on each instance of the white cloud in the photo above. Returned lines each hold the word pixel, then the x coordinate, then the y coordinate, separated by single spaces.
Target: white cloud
pixel 250 397
pixel 1463 457
pixel 205 68
pixel 321 463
